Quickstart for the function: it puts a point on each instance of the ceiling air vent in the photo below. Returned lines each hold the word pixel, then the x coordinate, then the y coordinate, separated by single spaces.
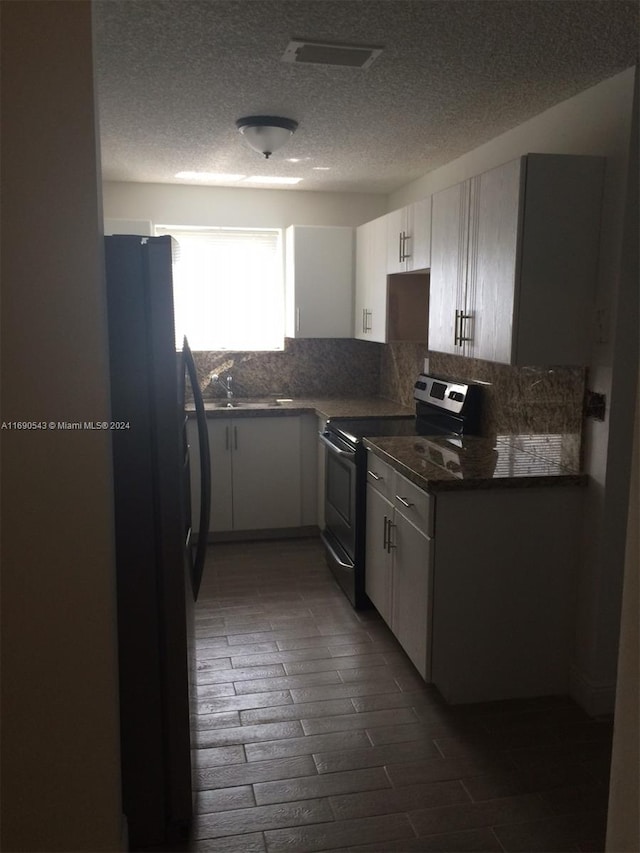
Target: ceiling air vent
pixel 319 53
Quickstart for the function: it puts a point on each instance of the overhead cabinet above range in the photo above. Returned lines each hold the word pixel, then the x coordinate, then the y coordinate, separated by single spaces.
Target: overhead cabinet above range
pixel 391 307
pixel 319 281
pixel 409 237
pixel 514 257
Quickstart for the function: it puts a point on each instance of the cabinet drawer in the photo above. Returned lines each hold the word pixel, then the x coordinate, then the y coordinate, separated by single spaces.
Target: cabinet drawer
pixel 380 475
pixel 414 504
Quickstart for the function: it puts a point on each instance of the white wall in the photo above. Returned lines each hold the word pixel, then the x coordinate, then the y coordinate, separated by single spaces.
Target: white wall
pixel 596 121
pixel 60 738
pixel 177 204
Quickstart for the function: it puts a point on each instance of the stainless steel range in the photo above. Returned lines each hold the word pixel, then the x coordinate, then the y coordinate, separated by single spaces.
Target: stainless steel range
pixel 443 408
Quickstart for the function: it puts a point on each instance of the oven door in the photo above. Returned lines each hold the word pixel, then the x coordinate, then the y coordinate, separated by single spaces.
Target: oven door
pixel 339 535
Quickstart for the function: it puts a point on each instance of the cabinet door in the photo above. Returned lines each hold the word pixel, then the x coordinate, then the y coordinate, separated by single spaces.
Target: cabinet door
pixel 449 241
pixel 412 592
pixel 397 228
pixel 363 241
pixel 266 473
pixel 319 281
pixel 378 286
pixel 370 322
pixel 221 517
pixel 494 227
pixel 378 562
pixel 308 469
pixel 418 244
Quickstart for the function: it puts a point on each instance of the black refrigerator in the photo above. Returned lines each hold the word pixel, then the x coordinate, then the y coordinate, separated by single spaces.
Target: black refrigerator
pixel 158 568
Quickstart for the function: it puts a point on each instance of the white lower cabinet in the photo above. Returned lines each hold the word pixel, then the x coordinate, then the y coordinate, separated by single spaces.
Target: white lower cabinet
pixel 378 567
pixel 477 585
pixel 504 595
pixel 256 473
pixel 399 562
pixel 412 572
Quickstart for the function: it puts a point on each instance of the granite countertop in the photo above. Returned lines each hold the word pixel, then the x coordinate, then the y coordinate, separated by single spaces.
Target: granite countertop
pixel 330 407
pixel 434 463
pixel 437 463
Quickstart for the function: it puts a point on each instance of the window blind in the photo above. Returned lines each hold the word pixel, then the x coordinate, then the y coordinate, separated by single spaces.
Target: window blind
pixel 228 287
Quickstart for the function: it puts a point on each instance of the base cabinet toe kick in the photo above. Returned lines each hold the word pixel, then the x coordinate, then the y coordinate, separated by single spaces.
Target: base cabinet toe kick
pixel 478 586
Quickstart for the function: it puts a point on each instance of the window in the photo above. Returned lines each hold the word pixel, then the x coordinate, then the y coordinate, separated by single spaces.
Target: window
pixel 228 287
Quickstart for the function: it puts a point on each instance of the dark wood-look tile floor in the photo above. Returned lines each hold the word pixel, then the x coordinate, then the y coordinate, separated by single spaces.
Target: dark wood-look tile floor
pixel 314 731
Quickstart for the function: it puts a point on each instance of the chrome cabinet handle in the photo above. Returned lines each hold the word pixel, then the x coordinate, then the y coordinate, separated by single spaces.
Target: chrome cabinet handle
pixel 297 319
pixel 375 476
pixel 368 316
pixel 404 502
pixel 390 544
pixel 403 243
pixel 364 320
pixel 464 337
pixel 400 235
pixel 458 329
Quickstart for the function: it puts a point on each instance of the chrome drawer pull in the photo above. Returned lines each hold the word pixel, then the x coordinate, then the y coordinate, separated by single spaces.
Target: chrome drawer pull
pixel 375 476
pixel 404 502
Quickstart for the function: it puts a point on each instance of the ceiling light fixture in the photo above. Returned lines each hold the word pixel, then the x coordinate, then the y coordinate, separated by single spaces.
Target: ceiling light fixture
pixel 265 134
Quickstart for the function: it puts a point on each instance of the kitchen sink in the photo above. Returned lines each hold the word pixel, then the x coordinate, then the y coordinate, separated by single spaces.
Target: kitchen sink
pixel 241 404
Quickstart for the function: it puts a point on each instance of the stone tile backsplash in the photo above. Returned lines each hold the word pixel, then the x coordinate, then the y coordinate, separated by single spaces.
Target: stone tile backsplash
pixel 516 399
pixel 318 367
pixel 529 400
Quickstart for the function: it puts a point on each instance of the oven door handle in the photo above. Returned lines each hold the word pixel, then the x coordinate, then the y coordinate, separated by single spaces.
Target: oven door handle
pixel 339 560
pixel 323 436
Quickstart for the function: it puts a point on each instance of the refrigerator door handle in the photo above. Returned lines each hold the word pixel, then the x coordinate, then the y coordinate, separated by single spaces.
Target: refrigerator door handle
pixel 205 470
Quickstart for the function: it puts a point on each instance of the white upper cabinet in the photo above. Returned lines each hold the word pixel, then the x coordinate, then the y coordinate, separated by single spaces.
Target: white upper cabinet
pixel 409 237
pixel 389 307
pixel 514 259
pixel 319 281
pixel 449 240
pixel 370 321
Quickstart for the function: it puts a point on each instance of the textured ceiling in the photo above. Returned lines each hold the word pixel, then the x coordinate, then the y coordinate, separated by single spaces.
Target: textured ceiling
pixel 174 75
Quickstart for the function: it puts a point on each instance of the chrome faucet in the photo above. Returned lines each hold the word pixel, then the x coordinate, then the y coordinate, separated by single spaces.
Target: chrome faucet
pixel 226 384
